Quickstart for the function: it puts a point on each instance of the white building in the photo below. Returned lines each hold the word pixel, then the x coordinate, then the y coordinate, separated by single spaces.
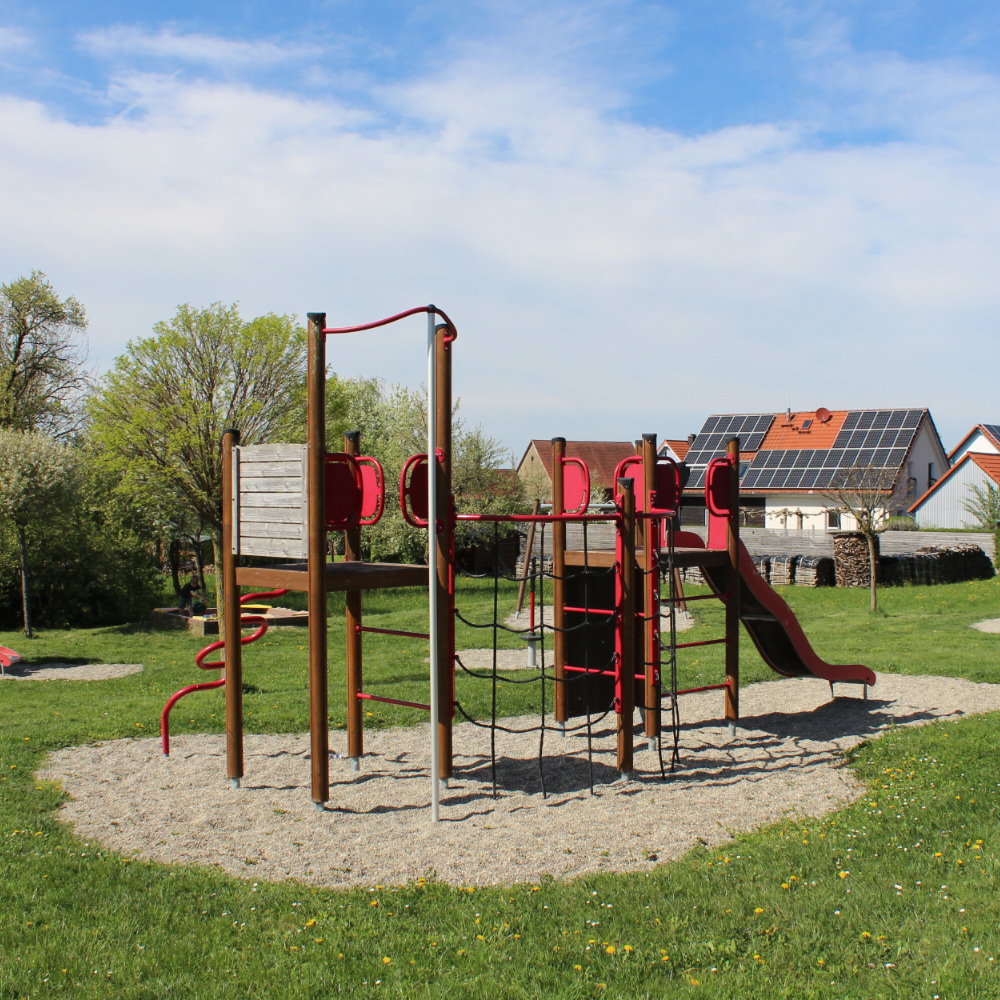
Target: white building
pixel 975 462
pixel 789 461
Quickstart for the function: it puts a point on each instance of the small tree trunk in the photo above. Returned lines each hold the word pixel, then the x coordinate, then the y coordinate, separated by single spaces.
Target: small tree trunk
pixel 199 563
pixel 220 604
pixel 175 565
pixel 25 585
pixel 873 565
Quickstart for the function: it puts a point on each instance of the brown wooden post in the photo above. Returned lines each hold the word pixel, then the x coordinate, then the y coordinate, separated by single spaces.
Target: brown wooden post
pixel 355 677
pixel 733 604
pixel 230 610
pixel 558 588
pixel 315 461
pixel 651 599
pixel 445 553
pixel 626 665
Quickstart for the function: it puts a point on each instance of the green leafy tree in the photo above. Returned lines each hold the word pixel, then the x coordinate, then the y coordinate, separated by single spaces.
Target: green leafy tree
pixel 38 478
pixel 42 353
pixel 984 506
pixel 157 417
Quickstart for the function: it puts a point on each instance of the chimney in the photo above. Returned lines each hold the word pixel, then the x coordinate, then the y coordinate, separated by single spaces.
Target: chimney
pixel 691 438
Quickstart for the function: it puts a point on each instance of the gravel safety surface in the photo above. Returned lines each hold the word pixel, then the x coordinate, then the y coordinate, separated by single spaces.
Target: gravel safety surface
pixel 787 759
pixel 69 671
pixel 990 625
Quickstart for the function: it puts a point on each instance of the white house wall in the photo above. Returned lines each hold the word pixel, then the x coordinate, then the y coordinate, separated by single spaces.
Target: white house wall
pixel 808 512
pixel 978 442
pixel 943 508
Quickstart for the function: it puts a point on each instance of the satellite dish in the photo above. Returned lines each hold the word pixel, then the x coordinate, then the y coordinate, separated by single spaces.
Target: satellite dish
pixel 823 414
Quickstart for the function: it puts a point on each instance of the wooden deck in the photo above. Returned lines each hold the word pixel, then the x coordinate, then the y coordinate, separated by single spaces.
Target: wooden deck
pixel 339 576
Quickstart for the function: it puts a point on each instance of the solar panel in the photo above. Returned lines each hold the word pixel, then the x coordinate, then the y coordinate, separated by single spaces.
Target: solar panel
pixel 833 458
pixel 848 458
pixel 913 418
pixel 873 438
pixel 993 430
pixel 774 458
pixel 866 419
pixel 750 480
pixel 805 457
pixel 851 421
pixel 754 441
pixel 697 479
pixel 819 457
pixel 823 478
pixel 764 422
pixel 780 475
pixel 879 458
pixel 857 440
pixel 881 419
pixel 788 460
pixel 865 456
pixel 793 479
pixel 764 479
pixel 808 478
pixel 896 457
pixel 710 425
pixel 843 439
pixel 897 418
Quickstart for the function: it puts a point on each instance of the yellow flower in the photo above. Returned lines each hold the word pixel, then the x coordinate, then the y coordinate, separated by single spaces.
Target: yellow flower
pixel 784 885
pixel 628 947
pixel 820 961
pixel 479 937
pixel 386 960
pixel 844 874
pixel 938 854
pixel 759 909
pixel 610 949
pixel 311 923
pixel 374 902
pixel 866 936
pixel 579 968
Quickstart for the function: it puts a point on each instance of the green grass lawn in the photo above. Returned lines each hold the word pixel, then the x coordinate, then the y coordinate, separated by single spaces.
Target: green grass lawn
pixel 760 919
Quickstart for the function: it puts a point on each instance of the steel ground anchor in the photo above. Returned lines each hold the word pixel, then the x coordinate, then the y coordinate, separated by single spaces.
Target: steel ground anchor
pixel 732 730
pixel 234 782
pixel 355 763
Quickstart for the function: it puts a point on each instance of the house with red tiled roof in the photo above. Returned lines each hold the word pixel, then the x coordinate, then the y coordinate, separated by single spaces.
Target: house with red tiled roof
pixel 789 461
pixel 602 458
pixel 975 465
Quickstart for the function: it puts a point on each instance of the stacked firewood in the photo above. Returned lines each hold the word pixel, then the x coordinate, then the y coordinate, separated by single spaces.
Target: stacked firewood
pixel 937 564
pixel 851 560
pixel 763 564
pixel 783 570
pixel 814 571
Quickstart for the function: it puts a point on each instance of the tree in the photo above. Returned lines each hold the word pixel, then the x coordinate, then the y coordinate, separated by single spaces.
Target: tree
pixel 984 506
pixel 37 477
pixel 869 495
pixel 158 416
pixel 42 353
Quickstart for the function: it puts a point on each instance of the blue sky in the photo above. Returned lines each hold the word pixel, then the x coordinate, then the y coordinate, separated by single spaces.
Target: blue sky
pixel 638 213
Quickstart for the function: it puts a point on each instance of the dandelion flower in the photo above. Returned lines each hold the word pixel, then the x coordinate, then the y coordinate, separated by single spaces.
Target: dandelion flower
pixel 610 949
pixel 760 909
pixel 579 968
pixel 386 960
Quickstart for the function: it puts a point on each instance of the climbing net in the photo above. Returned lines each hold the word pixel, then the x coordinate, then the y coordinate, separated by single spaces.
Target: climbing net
pixel 584 640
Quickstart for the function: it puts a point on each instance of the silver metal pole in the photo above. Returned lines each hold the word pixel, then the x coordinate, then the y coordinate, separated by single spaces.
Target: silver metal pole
pixel 432 590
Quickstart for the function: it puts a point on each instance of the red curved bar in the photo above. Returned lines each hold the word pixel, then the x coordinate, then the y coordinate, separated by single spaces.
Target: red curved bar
pixel 215 665
pixel 393 319
pixel 586 481
pixel 366 461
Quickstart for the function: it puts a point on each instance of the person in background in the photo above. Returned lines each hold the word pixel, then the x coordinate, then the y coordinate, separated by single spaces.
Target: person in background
pixel 188 592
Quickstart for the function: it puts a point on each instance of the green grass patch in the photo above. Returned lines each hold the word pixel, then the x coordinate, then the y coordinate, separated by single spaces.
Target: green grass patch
pixel 126 928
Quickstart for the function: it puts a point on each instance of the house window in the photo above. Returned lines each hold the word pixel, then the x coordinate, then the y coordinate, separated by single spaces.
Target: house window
pixel 931 478
pixel 832 519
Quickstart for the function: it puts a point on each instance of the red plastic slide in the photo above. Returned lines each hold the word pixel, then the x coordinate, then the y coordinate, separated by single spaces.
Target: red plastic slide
pixel 772 625
pixel 8 657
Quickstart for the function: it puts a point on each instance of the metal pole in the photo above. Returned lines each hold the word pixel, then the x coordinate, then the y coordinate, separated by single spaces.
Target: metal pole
pixel 432 588
pixel 445 553
pixel 230 610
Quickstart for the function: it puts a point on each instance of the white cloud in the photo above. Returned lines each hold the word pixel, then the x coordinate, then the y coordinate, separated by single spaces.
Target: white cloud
pixel 13 39
pixel 607 278
pixel 124 40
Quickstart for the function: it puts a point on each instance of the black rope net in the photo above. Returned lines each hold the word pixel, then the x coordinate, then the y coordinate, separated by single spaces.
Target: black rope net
pixel 535 574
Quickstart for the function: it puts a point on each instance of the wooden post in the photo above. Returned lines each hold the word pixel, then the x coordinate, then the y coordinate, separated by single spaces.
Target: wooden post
pixel 626 663
pixel 445 552
pixel 733 585
pixel 230 610
pixel 558 588
pixel 651 598
pixel 355 677
pixel 315 462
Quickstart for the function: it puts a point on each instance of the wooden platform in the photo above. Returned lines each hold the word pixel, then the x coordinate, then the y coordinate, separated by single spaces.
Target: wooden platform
pixel 683 558
pixel 339 576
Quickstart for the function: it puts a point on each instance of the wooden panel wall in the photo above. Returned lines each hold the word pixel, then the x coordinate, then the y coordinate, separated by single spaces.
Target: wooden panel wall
pixel 272 511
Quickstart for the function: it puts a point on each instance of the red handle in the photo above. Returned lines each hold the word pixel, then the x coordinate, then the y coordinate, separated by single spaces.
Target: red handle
pixel 623 465
pixel 586 480
pixel 373 463
pixel 713 466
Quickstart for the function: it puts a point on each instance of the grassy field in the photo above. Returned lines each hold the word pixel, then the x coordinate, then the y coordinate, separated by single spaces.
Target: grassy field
pixel 895 896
